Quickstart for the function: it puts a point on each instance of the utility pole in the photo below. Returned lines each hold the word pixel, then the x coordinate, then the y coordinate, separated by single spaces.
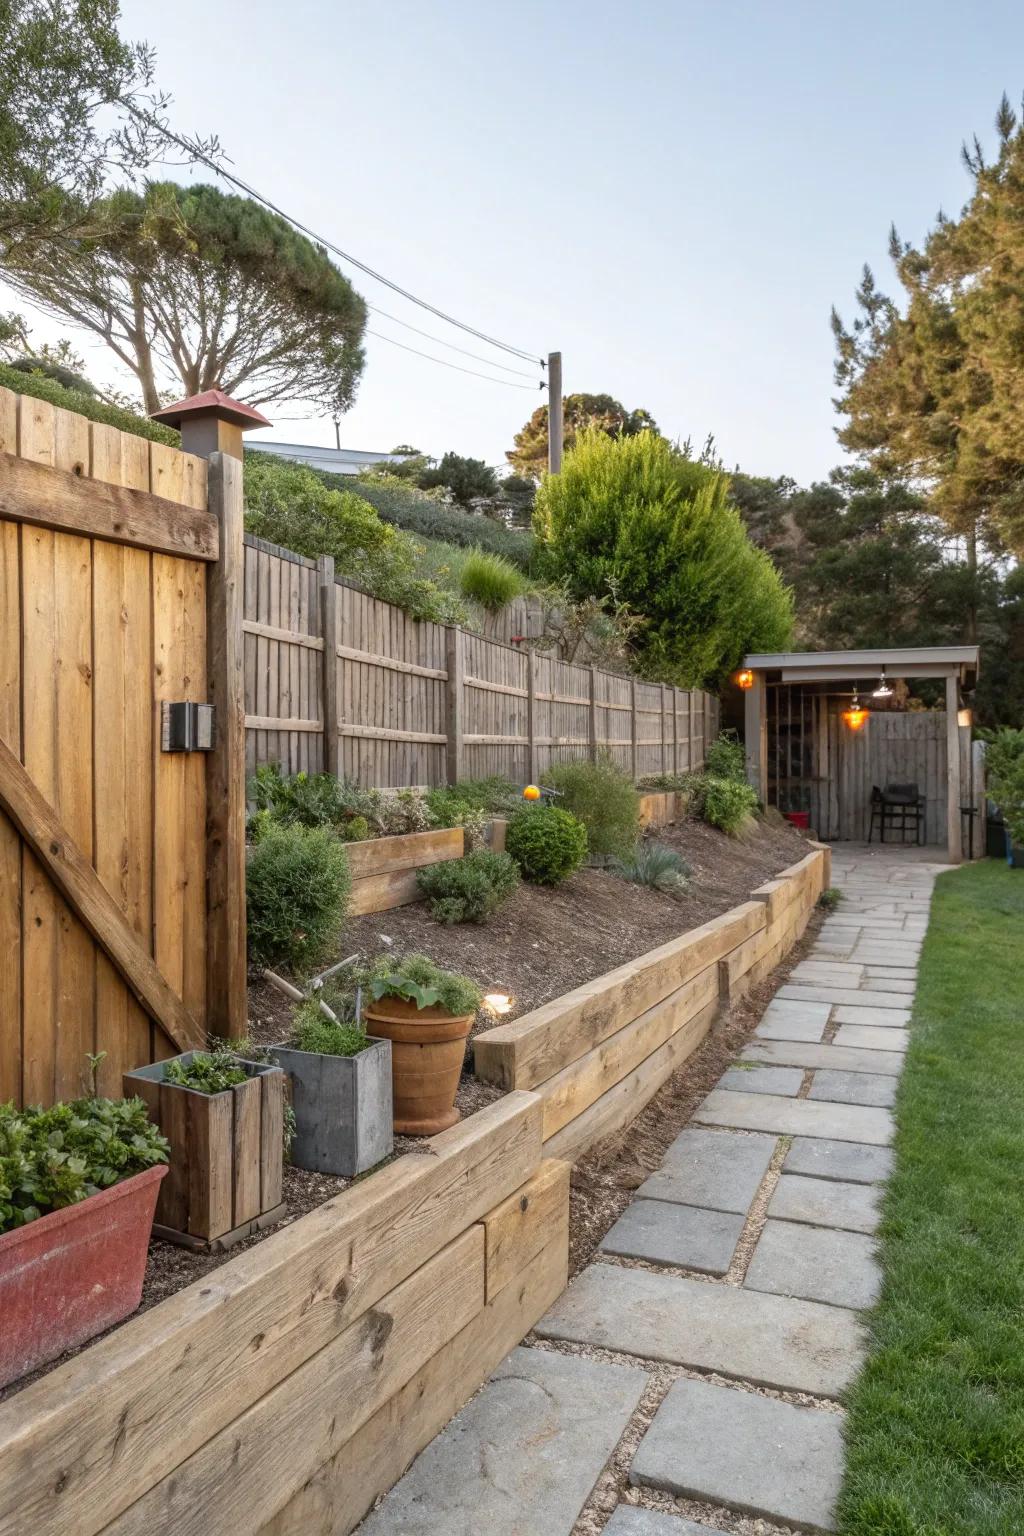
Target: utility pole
pixel 554 412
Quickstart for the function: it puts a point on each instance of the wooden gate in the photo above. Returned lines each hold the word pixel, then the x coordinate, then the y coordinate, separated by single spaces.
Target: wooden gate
pixel 105 547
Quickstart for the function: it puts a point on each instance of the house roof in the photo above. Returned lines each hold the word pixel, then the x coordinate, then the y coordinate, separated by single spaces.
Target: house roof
pixel 340 461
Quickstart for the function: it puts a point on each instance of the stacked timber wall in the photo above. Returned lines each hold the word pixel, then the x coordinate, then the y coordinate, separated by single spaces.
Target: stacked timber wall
pixel 339 681
pixel 596 1055
pixel 295 1384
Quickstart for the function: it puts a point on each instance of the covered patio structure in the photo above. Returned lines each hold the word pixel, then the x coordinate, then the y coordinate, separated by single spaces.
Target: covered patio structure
pixel 807 752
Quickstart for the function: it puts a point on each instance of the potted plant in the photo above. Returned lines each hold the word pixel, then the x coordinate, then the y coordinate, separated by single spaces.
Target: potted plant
pixel 224 1119
pixel 426 1013
pixel 78 1185
pixel 341 1093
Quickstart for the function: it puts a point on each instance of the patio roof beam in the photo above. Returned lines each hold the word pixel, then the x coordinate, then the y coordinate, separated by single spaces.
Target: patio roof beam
pixel 844 674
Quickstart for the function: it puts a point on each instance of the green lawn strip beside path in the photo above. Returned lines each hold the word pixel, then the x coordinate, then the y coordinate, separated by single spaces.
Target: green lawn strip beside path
pixel 936 1420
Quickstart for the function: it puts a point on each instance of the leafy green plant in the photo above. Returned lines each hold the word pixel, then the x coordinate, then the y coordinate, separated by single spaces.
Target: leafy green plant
pixel 490 580
pixel 51 1158
pixel 313 799
pixel 728 805
pixel 547 843
pixel 432 517
pixel 495 795
pixel 726 758
pixel 212 1072
pixel 355 830
pixel 604 799
pixel 312 1031
pixel 656 865
pixel 291 506
pixel 83 404
pixel 468 890
pixel 829 899
pixel 297 888
pixel 1004 763
pixel 401 813
pixel 417 979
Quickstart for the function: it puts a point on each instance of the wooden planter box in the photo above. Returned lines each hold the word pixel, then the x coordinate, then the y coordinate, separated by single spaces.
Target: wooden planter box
pixel 226 1159
pixel 73 1272
pixel 384 868
pixel 342 1104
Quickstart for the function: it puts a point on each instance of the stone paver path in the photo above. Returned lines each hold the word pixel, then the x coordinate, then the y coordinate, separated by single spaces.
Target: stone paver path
pixel 701 1355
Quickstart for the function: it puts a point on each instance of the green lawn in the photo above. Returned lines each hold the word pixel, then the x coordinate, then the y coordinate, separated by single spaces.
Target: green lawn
pixel 936 1422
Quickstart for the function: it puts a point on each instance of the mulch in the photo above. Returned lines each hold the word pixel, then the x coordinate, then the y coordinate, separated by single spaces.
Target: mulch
pixel 540 944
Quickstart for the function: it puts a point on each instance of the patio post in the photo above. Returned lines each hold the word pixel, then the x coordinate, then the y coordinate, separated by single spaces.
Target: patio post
pixel 954 848
pixel 755 735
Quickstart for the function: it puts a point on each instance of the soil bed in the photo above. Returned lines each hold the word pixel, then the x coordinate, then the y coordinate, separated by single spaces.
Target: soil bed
pixel 592 924
pixel 544 942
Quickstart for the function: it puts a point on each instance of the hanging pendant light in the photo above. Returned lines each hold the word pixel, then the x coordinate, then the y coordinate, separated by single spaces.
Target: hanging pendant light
pixel 883 691
pixel 856 714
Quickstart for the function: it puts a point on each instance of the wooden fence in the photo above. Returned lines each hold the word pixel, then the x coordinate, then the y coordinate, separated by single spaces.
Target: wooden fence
pixel 115 892
pixel 420 704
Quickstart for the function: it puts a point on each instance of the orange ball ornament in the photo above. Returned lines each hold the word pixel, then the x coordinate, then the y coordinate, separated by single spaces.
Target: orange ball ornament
pixel 531 792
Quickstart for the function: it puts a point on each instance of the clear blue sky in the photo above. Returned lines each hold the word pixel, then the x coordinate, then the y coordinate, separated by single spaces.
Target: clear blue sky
pixel 673 193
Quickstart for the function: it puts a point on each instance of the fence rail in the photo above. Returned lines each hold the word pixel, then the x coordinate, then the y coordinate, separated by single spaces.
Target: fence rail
pixel 415 703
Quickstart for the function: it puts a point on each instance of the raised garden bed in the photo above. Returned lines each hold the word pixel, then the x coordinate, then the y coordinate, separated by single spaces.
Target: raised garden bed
pixel 384 868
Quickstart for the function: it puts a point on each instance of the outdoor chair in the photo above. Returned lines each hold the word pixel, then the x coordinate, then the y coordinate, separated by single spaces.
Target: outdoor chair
pixel 897 807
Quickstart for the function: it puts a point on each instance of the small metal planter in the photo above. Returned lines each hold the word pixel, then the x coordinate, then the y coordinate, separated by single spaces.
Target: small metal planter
pixel 342 1104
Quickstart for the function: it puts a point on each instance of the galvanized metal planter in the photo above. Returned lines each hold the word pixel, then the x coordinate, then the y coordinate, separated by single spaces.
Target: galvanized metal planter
pixel 343 1114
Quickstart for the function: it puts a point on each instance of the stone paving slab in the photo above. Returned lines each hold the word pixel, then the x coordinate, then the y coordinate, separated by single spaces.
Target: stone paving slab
pixel 826 1203
pixel 685 1235
pixel 716 1169
pixel 895 954
pixel 627 1520
pixel 794 1021
pixel 816 1264
pixel 772 1341
pixel 854 1088
pixel 827 970
pixel 523 1455
pixel 754 1454
pixel 873 1037
pixel 797 1117
pixel 803 1053
pixel 843 1160
pixel 885 1017
pixel 753 1079
pixel 855 997
pixel 905 974
pixel 872 982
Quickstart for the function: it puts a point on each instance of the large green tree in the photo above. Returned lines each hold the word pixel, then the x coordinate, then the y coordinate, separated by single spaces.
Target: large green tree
pixel 634 518
pixel 77 105
pixel 194 289
pixel 467 479
pixel 932 388
pixel 603 413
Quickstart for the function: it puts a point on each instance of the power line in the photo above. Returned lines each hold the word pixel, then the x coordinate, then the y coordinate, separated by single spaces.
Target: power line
pixel 442 343
pixel 198 154
pixel 473 372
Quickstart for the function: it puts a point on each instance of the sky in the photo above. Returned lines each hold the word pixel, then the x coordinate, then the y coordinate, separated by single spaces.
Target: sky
pixel 673 194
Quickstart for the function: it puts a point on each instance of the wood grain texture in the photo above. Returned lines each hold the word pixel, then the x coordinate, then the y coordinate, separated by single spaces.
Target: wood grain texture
pixel 531 1050
pixel 522 1225
pixel 83 1443
pixel 71 503
pixel 259 1461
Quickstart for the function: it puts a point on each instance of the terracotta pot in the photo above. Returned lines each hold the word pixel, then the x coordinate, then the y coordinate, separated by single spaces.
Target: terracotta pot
pixel 74 1272
pixel 427 1052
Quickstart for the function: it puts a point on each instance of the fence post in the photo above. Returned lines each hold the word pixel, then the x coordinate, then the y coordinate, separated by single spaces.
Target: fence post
pixel 664 733
pixel 454 695
pixel 531 714
pixel 329 686
pixel 632 729
pixel 212 429
pixel 675 730
pixel 226 1002
pixel 592 716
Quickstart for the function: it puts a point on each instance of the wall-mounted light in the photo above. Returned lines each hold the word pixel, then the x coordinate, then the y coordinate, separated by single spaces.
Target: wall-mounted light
pixel 745 678
pixel 965 716
pixel 855 715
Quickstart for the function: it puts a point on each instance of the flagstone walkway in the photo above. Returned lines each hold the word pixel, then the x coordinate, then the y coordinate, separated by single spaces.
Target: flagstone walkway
pixel 700 1357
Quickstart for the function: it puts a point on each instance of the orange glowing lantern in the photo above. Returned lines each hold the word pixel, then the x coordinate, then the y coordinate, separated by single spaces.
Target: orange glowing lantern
pixel 531 792
pixel 856 715
pixel 745 679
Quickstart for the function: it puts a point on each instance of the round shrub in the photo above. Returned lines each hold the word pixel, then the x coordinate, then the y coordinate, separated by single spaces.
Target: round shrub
pixel 547 843
pixel 728 804
pixel 297 886
pixel 468 890
pixel 604 799
pixel 726 758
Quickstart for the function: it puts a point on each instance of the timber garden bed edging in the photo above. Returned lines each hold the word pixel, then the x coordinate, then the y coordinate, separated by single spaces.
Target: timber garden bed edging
pixel 597 1054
